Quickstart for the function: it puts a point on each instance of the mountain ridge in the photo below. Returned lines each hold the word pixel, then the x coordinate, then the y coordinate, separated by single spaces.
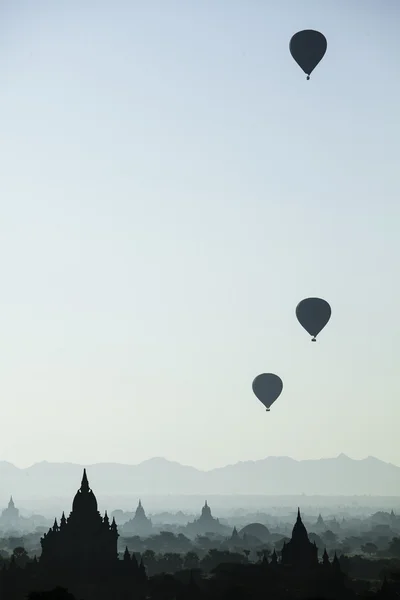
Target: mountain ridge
pixel 164 460
pixel 339 476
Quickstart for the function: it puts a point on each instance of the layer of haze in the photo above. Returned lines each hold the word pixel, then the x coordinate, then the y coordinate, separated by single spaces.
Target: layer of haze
pixel 171 187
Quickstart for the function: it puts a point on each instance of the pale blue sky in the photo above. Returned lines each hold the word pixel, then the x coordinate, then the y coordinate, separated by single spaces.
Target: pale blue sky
pixel 171 187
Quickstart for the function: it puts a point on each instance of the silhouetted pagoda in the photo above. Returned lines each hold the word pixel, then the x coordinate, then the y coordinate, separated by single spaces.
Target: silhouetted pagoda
pixel 85 538
pixel 206 523
pixel 140 524
pixel 79 553
pixel 299 551
pixel 9 518
pixel 320 524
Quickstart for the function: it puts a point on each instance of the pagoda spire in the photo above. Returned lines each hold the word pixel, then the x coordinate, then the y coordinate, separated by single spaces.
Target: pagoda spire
pixel 325 559
pixel 114 528
pixel 85 482
pixel 134 562
pixel 336 564
pixel 63 520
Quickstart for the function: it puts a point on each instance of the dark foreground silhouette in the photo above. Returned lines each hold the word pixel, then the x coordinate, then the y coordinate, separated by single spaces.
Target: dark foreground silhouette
pixel 80 560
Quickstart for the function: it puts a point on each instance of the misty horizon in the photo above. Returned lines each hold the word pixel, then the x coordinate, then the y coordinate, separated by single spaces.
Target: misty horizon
pixel 164 458
pixel 273 477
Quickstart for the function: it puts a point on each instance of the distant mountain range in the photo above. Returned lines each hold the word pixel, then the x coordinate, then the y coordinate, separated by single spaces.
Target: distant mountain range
pixel 158 476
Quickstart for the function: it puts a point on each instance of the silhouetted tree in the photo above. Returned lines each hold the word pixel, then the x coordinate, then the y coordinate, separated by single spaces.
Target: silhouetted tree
pixel 369 548
pixel 214 557
pixel 205 542
pixel 170 562
pixel 21 556
pixel 191 560
pixel 260 555
pixel 183 543
pixel 150 562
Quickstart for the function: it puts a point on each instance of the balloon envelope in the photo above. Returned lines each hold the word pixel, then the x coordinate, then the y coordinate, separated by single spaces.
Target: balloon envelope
pixel 308 48
pixel 267 387
pixel 313 314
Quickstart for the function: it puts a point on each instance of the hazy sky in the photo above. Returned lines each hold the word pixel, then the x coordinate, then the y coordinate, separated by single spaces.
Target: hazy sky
pixel 171 187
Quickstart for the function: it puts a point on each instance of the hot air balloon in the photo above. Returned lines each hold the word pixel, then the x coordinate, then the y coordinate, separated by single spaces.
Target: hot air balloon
pixel 308 48
pixel 267 387
pixel 313 314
